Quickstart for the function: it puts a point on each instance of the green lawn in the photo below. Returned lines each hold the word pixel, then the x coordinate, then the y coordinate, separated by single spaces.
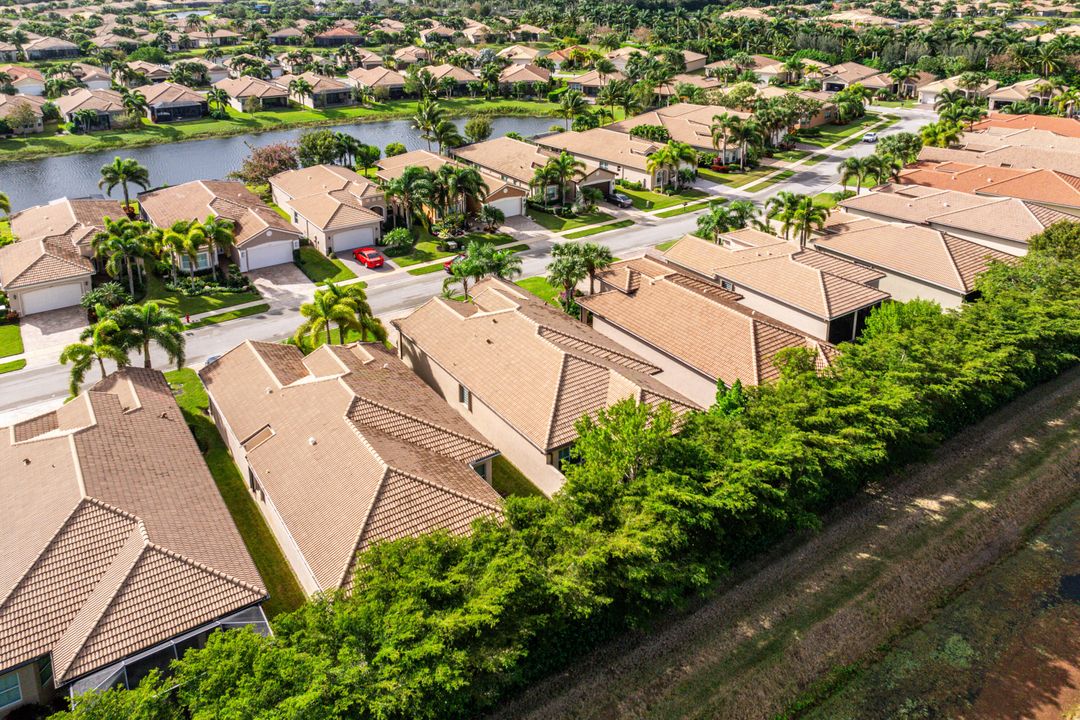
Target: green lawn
pixel 321 269
pixel 10 339
pixel 45 144
pixel 736 179
pixel 12 366
pixel 559 224
pixel 195 304
pixel 426 248
pixel 648 200
pixel 285 592
pixel 599 229
pixel 5 232
pixel 675 212
pixel 665 245
pixel 909 103
pixel 825 200
pixel 541 288
pixel 814 160
pixel 826 135
pixel 230 315
pixel 508 480
pixel 436 267
pixel 779 177
pixel 790 155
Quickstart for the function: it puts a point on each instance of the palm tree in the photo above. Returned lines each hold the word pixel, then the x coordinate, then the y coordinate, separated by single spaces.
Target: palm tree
pixel 744 133
pixel 902 76
pixel 428 116
pixel 808 215
pixel 218 235
pixel 571 105
pixel 681 154
pixel 134 102
pixel 407 190
pixel 97 343
pixel 883 168
pixel 462 184
pixel 719 131
pixel 301 88
pixel 658 163
pixel 122 171
pixel 781 206
pixel 854 168
pixel 563 168
pixel 218 96
pixel 5 205
pixel 354 298
pixel 948 98
pixel 716 222
pixel 324 310
pixel 84 119
pixel 462 270
pixel 595 257
pixel 941 134
pixel 504 264
pixel 492 217
pixel 122 243
pixel 140 325
pixel 446 135
pixel 566 271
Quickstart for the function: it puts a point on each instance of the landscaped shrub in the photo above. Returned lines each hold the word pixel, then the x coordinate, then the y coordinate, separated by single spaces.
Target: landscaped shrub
pixel 233 282
pixel 398 239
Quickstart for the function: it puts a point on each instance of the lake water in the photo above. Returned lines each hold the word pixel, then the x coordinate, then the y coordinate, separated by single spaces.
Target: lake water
pixel 34 182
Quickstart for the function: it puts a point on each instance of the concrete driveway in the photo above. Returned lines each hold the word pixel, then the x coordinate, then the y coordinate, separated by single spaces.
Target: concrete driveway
pixel 362 271
pixel 283 284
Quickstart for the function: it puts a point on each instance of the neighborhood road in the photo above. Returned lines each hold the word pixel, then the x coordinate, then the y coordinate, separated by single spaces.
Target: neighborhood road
pixel 42 387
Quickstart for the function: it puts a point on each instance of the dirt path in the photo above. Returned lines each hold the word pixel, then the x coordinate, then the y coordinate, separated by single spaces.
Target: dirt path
pixel 886 558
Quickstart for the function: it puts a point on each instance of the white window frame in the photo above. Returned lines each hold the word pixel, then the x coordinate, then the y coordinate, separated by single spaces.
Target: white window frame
pixel 464 396
pixel 202 261
pixel 5 692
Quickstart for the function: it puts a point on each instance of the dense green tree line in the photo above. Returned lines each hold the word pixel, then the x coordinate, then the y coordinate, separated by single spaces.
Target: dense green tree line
pixel 443 626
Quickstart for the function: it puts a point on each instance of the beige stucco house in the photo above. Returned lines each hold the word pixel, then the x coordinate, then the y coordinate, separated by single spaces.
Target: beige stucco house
pixel 334 207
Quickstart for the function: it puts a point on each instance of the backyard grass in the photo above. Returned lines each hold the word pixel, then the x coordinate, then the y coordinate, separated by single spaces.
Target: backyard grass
pixel 46 144
pixel 649 200
pixel 779 177
pixel 10 339
pixel 427 249
pixel 675 212
pixel 285 592
pixel 541 288
pixel 736 179
pixel 230 315
pixel 560 224
pixel 321 269
pixel 195 304
pixel 508 480
pixel 599 229
pixel 12 366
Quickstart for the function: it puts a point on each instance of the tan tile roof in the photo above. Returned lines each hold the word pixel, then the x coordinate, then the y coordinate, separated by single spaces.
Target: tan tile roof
pixel 318 179
pixel 912 203
pixel 952 83
pixel 196 200
pixel 148 68
pixel 704 330
pixel 244 87
pixel 505 334
pixel 329 196
pixel 602 144
pixel 519 52
pixel 75 221
pixel 29 262
pixel 9 103
pixel 515 159
pixel 849 72
pixel 460 75
pixel 963 177
pixel 22 72
pixel 167 93
pixel 684 122
pixel 106 101
pixel 319 83
pixel 392 167
pixel 1007 218
pixel 779 272
pixel 389 458
pixel 524 73
pixel 1042 186
pixel 917 252
pixel 1069 127
pixel 123 540
pixel 377 77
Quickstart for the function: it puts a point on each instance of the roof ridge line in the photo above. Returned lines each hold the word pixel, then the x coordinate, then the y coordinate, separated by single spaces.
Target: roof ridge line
pixel 200 565
pixel 558 393
pixel 37 560
pixel 444 488
pixel 366 518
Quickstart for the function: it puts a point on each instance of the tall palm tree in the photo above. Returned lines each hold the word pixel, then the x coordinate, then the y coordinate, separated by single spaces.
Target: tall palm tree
pixel 301 88
pixel 883 167
pixel 854 168
pixel 902 76
pixel 446 135
pixel 565 271
pixel 595 257
pixel 219 97
pixel 324 310
pixel 719 132
pixel 134 102
pixel 122 243
pixel 781 206
pixel 428 117
pixel 218 234
pixel 571 105
pixel 463 271
pixel 96 343
pixel 744 133
pixel 564 168
pixel 5 205
pixel 354 298
pixel 140 325
pixel 407 190
pixel 718 220
pixel 808 216
pixel 122 172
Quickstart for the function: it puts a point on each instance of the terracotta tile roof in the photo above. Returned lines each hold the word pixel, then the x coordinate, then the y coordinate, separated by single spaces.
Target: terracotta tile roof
pixel 515 159
pixel 704 330
pixel 22 72
pixel 382 440
pixel 460 75
pixel 252 220
pixel 524 73
pixel 917 252
pixel 1042 186
pixel 506 334
pixel 779 273
pixel 168 93
pixel 962 177
pixel 1069 127
pixel 849 72
pixel 1007 218
pixel 122 538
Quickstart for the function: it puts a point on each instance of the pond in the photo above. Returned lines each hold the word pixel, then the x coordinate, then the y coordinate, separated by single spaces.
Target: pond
pixel 34 182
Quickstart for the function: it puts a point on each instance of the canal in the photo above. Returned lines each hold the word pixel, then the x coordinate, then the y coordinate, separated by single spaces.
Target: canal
pixel 34 182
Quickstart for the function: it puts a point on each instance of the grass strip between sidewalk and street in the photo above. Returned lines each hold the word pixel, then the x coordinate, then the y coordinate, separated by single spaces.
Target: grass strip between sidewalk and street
pixel 230 315
pixel 436 267
pixel 10 339
pixel 675 212
pixel 778 178
pixel 599 229
pixel 12 366
pixel 285 591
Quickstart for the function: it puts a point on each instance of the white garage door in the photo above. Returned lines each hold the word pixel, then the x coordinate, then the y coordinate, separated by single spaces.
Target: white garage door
pixel 51 298
pixel 511 207
pixel 349 239
pixel 275 253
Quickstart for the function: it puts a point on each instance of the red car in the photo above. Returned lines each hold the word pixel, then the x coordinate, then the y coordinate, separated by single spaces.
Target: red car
pixel 448 266
pixel 369 257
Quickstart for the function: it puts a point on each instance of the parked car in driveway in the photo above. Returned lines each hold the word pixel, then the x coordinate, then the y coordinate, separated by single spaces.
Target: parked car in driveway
pixel 619 200
pixel 869 138
pixel 369 257
pixel 448 266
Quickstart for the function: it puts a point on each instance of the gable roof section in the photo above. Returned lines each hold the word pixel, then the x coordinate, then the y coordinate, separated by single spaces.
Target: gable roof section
pixel 121 538
pixel 377 77
pixel 169 93
pixel 247 86
pixel 343 441
pixel 30 262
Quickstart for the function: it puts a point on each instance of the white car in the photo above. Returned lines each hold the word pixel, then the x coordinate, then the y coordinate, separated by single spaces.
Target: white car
pixel 869 138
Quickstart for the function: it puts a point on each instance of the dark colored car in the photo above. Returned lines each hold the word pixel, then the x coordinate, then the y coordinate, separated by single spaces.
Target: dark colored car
pixel 369 257
pixel 448 266
pixel 619 200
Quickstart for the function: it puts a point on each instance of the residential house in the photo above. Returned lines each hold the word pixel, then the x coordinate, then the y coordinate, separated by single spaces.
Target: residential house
pixel 476 355
pixel 261 237
pixel 917 261
pixel 325 91
pixel 334 207
pixel 410 55
pixel 1035 90
pixel 520 54
pixel 517 75
pixel 1064 126
pixel 578 52
pixel 120 554
pixel 108 105
pixel 684 122
pixel 1050 188
pixel 837 77
pixel 11 110
pixel 8 52
pixel 694 330
pixel 237 64
pixel 338 36
pixel 250 89
pixel 344 448
pixel 170 102
pixel 214 71
pixel 25 80
pixel 215 37
pixel 817 294
pixel 826 114
pixel 516 162
pixel 382 81
pixel 501 193
pixel 620 56
pixel 589 83
pixel 49 265
pixel 529 33
pixel 475 32
pixel 928 94
pixel 287 36
pixel 618 152
pixel 460 76
pixel 91 76
pixel 50 48
pixel 437 33
pixel 693 61
pixel 358 57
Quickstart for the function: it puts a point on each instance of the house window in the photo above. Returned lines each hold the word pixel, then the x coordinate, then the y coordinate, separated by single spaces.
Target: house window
pixel 464 396
pixel 481 469
pixel 727 285
pixel 202 262
pixel 562 458
pixel 45 671
pixel 10 692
